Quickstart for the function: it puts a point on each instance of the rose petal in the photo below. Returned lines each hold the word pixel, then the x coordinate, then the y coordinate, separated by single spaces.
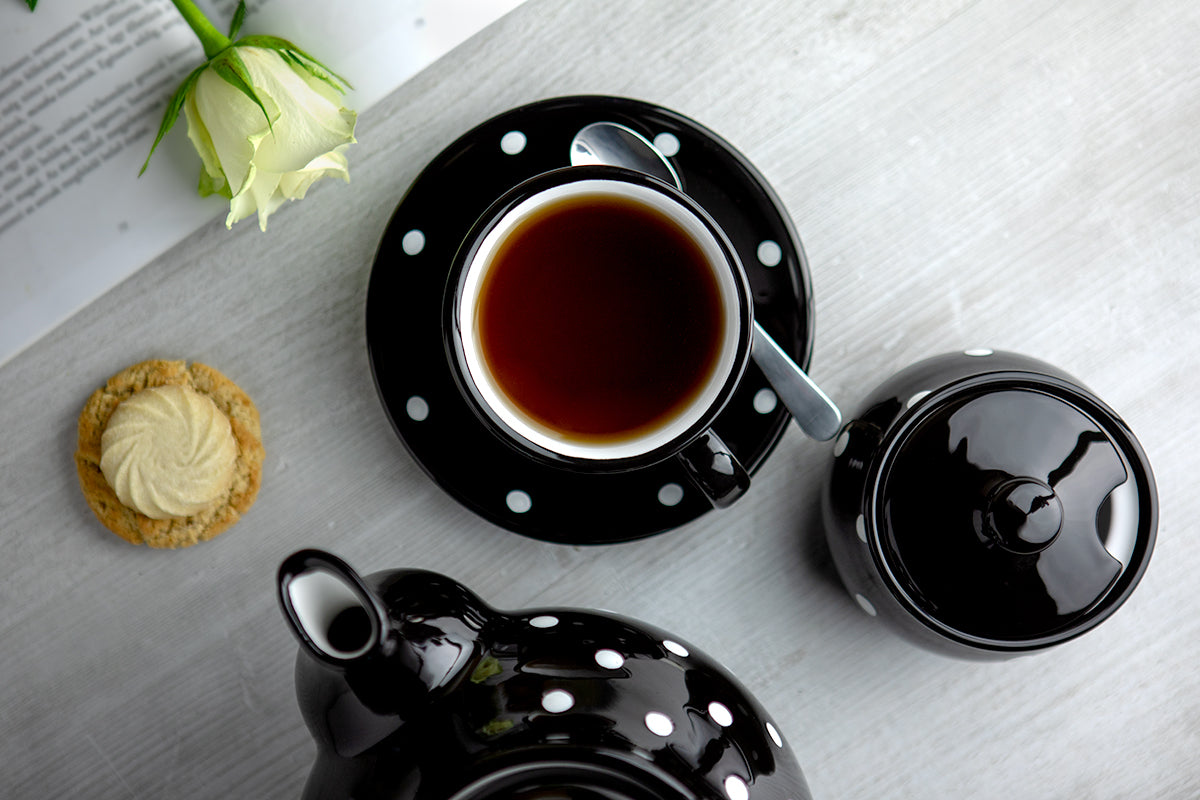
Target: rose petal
pixel 294 185
pixel 308 124
pixel 235 124
pixel 203 142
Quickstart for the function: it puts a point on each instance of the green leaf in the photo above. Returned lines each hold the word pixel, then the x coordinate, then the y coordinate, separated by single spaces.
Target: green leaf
pixel 32 4
pixel 320 72
pixel 485 669
pixel 297 57
pixel 230 67
pixel 239 16
pixel 210 185
pixel 172 113
pixel 496 727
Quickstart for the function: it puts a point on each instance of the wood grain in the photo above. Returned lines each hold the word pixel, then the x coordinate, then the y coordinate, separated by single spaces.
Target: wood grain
pixel 1020 174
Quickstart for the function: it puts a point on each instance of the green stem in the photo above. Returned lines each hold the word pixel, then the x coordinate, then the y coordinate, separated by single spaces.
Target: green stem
pixel 212 39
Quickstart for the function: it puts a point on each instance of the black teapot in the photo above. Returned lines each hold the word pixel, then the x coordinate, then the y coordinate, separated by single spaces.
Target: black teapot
pixel 415 689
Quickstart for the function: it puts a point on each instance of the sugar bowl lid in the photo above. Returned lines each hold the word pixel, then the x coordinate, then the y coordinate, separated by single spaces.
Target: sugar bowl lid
pixel 1011 509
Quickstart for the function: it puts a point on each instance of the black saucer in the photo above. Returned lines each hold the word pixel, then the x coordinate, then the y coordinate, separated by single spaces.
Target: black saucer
pixel 404 306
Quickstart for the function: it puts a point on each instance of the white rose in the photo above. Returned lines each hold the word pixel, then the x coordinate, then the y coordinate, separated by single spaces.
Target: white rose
pixel 256 164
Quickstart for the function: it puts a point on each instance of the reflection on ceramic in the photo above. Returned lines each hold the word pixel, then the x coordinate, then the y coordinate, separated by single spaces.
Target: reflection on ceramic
pixel 417 690
pixel 985 504
pixel 409 361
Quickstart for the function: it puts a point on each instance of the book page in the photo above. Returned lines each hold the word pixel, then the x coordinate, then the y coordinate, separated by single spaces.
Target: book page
pixel 83 87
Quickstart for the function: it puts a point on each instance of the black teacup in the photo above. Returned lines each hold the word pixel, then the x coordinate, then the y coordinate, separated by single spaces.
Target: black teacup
pixel 597 319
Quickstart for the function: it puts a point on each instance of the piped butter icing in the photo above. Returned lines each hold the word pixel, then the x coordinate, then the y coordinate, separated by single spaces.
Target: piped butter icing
pixel 168 452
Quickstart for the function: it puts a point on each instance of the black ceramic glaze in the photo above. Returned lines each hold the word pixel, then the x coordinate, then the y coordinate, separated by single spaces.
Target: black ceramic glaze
pixel 986 504
pixel 447 698
pixel 413 376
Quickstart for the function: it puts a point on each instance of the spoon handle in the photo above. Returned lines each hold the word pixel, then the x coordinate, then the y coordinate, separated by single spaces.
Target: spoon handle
pixel 813 411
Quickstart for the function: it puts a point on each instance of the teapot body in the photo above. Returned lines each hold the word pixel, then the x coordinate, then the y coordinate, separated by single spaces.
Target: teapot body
pixel 470 702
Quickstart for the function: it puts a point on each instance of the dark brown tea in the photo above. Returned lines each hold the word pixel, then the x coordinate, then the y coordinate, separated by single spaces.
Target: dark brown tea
pixel 600 317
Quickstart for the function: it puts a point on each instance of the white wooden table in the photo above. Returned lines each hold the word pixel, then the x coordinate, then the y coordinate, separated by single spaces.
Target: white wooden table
pixel 1019 174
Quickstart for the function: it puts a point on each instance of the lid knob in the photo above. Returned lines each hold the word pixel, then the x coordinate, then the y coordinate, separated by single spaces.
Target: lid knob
pixel 1023 515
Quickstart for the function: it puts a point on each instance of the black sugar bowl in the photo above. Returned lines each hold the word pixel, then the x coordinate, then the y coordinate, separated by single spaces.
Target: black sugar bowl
pixel 415 689
pixel 985 504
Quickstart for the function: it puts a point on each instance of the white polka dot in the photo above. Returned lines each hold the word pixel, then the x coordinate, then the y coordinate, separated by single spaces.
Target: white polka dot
pixel 765 401
pixel 676 648
pixel 610 659
pixel 866 604
pixel 416 408
pixel 860 527
pixel 736 789
pixel 513 142
pixel 667 144
pixel 557 701
pixel 978 352
pixel 916 398
pixel 413 242
pixel 774 734
pixel 839 446
pixel 720 714
pixel 518 502
pixel 769 253
pixel 545 621
pixel 659 723
pixel 670 494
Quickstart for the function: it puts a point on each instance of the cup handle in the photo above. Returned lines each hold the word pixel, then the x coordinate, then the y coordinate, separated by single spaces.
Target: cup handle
pixel 714 469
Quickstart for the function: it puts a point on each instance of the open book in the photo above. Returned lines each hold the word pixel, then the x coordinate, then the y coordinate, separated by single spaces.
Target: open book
pixel 83 86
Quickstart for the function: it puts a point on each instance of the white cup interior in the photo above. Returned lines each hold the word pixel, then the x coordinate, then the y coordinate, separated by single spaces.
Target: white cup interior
pixel 646 441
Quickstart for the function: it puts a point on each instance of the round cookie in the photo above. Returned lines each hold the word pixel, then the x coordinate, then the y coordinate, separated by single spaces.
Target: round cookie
pixel 127 522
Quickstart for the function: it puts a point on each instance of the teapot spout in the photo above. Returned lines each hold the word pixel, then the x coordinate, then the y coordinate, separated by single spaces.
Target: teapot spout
pixel 338 619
